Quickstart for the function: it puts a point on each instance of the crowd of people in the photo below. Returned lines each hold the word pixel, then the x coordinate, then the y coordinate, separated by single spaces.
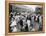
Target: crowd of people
pixel 27 23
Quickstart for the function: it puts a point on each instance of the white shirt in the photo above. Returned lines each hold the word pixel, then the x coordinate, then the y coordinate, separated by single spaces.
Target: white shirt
pixel 40 19
pixel 13 23
pixel 28 22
